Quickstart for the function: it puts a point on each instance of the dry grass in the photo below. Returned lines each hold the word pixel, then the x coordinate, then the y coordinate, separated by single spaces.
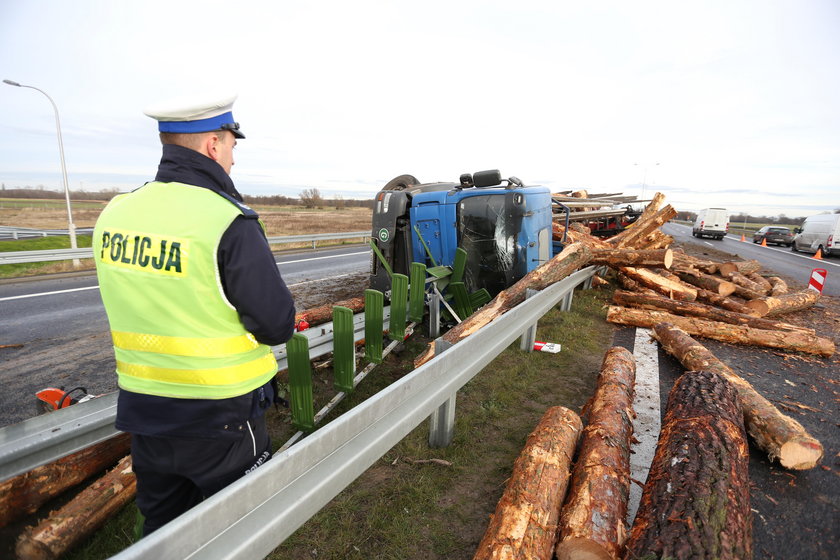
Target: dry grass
pixel 278 220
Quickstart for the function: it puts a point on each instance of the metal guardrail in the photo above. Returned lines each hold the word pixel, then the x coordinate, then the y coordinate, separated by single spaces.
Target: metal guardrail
pixel 18 257
pixel 252 516
pixel 11 232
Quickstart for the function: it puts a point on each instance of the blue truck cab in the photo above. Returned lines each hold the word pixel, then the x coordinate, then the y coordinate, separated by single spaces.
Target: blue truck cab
pixel 504 229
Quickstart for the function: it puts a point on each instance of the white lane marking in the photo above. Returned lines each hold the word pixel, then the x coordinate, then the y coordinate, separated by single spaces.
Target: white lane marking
pixel 647 424
pixel 709 244
pixel 25 296
pixel 327 257
pixel 49 293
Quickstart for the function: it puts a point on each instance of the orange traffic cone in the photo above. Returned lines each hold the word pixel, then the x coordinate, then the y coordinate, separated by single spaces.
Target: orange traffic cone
pixel 743 238
pixel 763 242
pixel 818 255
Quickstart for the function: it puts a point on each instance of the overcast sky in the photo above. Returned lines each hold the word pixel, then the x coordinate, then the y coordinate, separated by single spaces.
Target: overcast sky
pixel 716 103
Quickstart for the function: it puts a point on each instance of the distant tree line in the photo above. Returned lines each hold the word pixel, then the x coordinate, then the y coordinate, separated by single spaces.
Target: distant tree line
pixel 740 218
pixel 308 198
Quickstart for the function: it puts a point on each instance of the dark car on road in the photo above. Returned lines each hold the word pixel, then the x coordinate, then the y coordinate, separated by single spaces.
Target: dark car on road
pixel 774 234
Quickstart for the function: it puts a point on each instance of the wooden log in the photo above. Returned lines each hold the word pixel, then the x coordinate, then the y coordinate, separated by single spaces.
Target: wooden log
pixel 696 501
pixel 631 236
pixel 682 260
pixel 525 522
pixel 572 258
pixel 656 240
pixel 780 436
pixel 598 282
pixel 629 284
pixel 724 302
pixel 744 267
pixel 737 334
pixel 763 282
pixel 630 257
pixel 751 287
pixel 593 516
pixel 707 282
pixel 647 214
pixel 80 517
pixel 779 286
pixel 694 309
pixel 25 493
pixel 658 283
pixel 786 303
pixel 323 313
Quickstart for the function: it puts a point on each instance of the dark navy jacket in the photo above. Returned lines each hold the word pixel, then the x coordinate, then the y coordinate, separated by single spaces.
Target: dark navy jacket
pixel 253 285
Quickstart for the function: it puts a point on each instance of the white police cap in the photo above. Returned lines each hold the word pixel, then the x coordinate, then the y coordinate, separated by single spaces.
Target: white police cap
pixel 192 115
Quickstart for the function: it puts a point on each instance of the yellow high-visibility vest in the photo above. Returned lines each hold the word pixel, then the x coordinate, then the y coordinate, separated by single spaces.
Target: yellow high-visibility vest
pixel 175 333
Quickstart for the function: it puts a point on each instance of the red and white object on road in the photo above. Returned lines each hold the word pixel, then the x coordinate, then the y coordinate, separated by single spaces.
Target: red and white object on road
pixel 551 347
pixel 817 280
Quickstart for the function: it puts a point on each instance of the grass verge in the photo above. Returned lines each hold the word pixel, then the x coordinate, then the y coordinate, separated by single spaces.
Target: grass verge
pixel 42 244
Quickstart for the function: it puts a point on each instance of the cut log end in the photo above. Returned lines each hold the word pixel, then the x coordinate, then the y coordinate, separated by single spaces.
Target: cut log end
pixel 801 454
pixel 578 548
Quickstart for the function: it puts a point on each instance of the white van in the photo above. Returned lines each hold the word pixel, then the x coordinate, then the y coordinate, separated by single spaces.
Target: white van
pixel 818 232
pixel 711 222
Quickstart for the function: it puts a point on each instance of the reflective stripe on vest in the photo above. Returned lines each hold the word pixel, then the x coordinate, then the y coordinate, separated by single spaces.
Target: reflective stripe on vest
pixel 185 346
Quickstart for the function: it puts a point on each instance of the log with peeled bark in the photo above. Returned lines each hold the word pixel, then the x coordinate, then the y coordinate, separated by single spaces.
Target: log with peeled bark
pixel 724 302
pixel 80 517
pixel 707 282
pixel 779 286
pixel 751 286
pixel 642 227
pixel 786 303
pixel 696 501
pixel 659 283
pixel 593 517
pixel 598 282
pixel 661 258
pixel 572 258
pixel 682 260
pixel 724 332
pixel 647 214
pixel 25 493
pixel 694 309
pixel 629 284
pixel 525 522
pixel 763 282
pixel 780 436
pixel 658 241
pixel 324 313
pixel 744 267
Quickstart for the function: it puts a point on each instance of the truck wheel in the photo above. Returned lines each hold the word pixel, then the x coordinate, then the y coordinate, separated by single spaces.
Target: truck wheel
pixel 400 183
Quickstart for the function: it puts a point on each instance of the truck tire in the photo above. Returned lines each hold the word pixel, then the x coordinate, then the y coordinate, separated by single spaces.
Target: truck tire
pixel 400 183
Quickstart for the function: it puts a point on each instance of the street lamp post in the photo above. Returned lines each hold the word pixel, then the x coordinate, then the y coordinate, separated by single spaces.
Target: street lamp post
pixel 71 227
pixel 644 179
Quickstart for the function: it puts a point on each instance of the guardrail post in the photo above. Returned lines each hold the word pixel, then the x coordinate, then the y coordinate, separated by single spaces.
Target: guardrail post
pixel 442 420
pixel 566 302
pixel 529 337
pixel 399 301
pixel 417 292
pixel 344 351
pixel 300 383
pixel 374 304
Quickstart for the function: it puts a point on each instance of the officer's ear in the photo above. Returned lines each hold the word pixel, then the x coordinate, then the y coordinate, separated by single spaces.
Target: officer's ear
pixel 211 145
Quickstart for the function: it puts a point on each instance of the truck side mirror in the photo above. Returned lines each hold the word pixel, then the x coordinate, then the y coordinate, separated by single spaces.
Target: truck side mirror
pixel 489 178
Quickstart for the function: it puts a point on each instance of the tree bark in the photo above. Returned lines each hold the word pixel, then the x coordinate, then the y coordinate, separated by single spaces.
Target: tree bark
pixel 787 303
pixel 661 258
pixel 780 436
pixel 658 283
pixel 738 334
pixel 571 259
pixel 707 282
pixel 647 214
pixel 596 507
pixel 323 313
pixel 683 261
pixel 80 517
pixel 750 288
pixel 25 493
pixel 696 502
pixel 693 309
pixel 779 286
pixel 525 522
pixel 724 302
pixel 744 267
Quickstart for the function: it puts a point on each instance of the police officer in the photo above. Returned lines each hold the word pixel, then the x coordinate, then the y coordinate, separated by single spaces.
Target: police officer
pixel 194 300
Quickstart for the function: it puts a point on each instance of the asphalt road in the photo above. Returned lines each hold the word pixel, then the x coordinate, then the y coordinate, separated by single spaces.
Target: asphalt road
pixel 61 327
pixel 792 266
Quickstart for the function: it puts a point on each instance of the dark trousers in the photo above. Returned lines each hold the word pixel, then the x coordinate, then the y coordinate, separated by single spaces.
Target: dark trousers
pixel 175 474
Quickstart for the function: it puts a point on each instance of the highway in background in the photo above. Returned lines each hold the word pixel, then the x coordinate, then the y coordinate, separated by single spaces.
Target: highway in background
pixel 791 266
pixel 61 328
